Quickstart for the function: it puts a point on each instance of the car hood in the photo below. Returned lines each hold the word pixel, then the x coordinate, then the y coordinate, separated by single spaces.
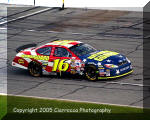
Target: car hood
pixel 103 57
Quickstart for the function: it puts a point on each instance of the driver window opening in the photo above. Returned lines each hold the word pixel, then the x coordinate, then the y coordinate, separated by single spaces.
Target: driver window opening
pixel 61 52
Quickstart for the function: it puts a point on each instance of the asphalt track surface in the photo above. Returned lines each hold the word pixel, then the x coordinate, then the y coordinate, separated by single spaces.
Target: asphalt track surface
pixel 119 31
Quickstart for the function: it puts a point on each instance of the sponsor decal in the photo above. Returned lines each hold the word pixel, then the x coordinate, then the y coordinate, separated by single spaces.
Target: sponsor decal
pixel 78 69
pixel 82 69
pixel 100 56
pixel 107 72
pixel 73 72
pixel 125 68
pixel 20 61
pixel 102 72
pixel 92 63
pixel 117 71
pixel 44 64
pixel 101 68
pixel 78 63
pixel 36 57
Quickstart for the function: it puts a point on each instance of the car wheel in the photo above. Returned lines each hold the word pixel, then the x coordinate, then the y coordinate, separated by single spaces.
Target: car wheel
pixel 90 73
pixel 35 69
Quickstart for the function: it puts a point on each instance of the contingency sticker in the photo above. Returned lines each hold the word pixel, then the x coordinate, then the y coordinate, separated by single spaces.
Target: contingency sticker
pixel 100 56
pixel 20 61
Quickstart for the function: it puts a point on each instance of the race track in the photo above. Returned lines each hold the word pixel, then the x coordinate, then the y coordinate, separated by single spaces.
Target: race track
pixel 119 31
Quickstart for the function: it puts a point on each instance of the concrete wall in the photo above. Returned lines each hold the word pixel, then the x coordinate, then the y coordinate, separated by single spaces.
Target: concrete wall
pixel 99 4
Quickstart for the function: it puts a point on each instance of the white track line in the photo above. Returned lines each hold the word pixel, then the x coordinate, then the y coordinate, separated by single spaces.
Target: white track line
pixel 3 94
pixel 132 84
pixel 28 15
pixel 70 100
pixel 3 28
pixel 31 30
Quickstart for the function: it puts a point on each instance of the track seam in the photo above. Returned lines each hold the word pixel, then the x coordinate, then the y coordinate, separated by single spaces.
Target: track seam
pixel 72 92
pixel 32 87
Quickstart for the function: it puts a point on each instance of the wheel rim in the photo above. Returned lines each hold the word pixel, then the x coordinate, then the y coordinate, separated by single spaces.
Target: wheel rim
pixel 91 73
pixel 35 70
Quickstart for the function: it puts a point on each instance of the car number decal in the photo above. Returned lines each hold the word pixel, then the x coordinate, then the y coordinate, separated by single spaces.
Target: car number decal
pixel 60 65
pixel 100 56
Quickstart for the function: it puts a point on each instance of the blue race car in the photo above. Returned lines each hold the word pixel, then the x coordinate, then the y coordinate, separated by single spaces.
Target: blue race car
pixel 102 64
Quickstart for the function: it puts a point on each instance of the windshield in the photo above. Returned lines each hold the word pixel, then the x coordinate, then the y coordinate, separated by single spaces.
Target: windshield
pixel 82 49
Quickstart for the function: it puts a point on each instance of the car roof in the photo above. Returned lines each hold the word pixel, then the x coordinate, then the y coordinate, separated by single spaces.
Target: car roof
pixel 66 43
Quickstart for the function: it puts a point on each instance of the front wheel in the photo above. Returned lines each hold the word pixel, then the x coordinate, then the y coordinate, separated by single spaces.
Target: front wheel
pixel 35 69
pixel 90 73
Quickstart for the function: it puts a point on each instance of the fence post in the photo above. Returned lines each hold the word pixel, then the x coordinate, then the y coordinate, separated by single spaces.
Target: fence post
pixel 63 6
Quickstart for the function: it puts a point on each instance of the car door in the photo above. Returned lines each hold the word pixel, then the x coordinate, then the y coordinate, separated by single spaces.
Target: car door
pixel 61 56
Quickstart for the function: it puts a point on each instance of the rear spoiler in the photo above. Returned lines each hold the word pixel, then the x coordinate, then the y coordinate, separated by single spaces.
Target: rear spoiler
pixel 25 46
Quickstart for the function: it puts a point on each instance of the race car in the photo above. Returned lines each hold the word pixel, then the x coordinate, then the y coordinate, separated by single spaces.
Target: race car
pixel 73 57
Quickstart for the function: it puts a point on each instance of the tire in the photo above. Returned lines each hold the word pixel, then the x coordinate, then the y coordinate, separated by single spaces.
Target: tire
pixel 90 73
pixel 35 69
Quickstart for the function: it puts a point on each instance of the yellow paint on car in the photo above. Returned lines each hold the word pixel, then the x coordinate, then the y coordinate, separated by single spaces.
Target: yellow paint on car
pixel 100 56
pixel 36 57
pixel 116 76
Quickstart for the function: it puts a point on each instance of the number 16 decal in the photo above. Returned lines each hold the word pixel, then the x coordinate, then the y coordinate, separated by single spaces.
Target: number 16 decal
pixel 60 65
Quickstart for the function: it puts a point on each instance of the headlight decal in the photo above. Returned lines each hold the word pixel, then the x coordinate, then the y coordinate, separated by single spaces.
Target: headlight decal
pixel 111 66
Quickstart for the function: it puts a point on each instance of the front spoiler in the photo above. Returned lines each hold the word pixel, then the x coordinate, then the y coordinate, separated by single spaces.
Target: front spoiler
pixel 116 76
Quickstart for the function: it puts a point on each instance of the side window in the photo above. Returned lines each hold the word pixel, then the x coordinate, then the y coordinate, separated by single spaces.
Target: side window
pixel 61 52
pixel 44 51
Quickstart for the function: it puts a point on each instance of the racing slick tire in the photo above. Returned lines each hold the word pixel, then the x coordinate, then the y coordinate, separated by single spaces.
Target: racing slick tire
pixel 90 73
pixel 35 69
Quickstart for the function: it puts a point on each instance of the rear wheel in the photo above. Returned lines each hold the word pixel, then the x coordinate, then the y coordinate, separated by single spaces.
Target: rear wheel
pixel 90 73
pixel 35 69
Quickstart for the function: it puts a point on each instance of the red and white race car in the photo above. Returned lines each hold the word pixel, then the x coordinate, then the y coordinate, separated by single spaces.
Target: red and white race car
pixel 72 57
pixel 51 57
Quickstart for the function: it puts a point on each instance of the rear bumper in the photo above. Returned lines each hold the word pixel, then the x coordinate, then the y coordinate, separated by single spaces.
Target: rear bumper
pixel 19 65
pixel 116 76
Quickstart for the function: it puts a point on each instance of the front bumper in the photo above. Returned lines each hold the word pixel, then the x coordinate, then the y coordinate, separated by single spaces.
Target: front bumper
pixel 117 76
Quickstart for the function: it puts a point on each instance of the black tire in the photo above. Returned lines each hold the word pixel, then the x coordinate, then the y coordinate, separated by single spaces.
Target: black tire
pixel 35 69
pixel 90 73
